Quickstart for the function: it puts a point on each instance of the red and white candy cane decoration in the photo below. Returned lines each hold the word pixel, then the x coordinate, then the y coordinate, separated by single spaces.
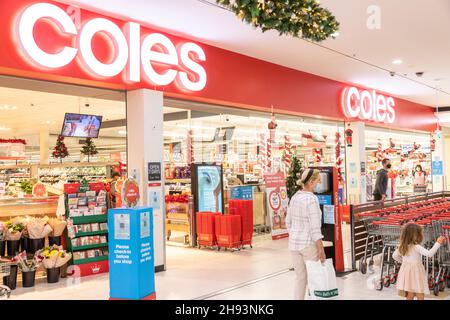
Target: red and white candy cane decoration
pixel 288 152
pixel 262 152
pixel 190 146
pixel 317 155
pixel 380 155
pixel 269 155
pixel 338 156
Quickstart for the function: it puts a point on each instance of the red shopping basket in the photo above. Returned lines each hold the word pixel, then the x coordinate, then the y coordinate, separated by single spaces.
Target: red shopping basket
pixel 228 231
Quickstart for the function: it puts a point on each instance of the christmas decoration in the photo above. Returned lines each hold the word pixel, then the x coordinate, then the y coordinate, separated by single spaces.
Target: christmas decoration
pixel 300 18
pixel 339 161
pixel 89 149
pixel 269 156
pixel 433 144
pixel 287 151
pixel 272 126
pixel 262 152
pixel 379 154
pixel 60 150
pixel 190 146
pixel 294 174
pixel 403 158
pixel 349 136
pixel 317 155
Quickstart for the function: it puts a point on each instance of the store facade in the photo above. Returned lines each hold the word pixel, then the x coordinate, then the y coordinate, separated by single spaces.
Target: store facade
pixel 180 91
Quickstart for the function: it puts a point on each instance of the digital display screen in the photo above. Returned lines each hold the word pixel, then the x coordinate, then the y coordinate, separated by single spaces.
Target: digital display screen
pixel 81 125
pixel 209 188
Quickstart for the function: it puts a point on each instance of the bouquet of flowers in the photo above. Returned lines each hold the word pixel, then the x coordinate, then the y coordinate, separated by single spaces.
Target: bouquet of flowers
pixel 54 257
pixel 26 265
pixel 13 230
pixel 38 228
pixel 57 226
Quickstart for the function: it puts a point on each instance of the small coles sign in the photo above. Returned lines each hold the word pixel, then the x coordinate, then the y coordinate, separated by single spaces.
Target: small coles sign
pixel 368 105
pixel 130 193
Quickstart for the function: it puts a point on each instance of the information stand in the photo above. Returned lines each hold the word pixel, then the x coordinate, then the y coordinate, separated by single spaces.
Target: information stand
pixel 131 254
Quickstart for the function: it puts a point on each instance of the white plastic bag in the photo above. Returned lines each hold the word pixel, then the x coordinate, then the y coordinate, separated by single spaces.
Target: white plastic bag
pixel 321 280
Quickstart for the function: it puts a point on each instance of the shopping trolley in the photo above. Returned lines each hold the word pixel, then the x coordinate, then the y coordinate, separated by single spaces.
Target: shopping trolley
pixel 371 245
pixel 5 270
pixel 442 279
pixel 389 231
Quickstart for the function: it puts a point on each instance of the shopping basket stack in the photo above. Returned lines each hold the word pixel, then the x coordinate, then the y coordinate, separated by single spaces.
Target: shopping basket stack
pixel 442 278
pixel 244 209
pixel 228 231
pixel 371 241
pixel 206 232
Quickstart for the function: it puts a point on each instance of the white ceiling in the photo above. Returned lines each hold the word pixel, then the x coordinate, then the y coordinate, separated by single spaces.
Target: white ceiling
pixel 415 31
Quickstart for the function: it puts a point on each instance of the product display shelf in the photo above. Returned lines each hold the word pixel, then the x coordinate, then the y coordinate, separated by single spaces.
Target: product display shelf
pixel 88 264
pixel 167 181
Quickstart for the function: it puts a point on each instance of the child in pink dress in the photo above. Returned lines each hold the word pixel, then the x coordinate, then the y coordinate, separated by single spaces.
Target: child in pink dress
pixel 412 279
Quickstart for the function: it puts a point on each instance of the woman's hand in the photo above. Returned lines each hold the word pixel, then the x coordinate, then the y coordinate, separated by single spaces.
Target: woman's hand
pixel 441 240
pixel 322 256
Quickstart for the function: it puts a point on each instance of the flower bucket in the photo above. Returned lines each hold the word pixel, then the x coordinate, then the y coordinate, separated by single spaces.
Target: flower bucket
pixel 12 247
pixel 25 244
pixel 28 278
pixel 64 270
pixel 36 244
pixel 2 248
pixel 53 275
pixel 11 280
pixel 54 240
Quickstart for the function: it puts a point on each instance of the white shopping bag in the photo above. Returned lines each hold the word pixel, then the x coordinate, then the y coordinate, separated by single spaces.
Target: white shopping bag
pixel 321 280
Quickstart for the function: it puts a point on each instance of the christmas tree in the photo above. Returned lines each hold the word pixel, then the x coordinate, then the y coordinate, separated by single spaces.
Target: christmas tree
pixel 89 149
pixel 293 175
pixel 60 150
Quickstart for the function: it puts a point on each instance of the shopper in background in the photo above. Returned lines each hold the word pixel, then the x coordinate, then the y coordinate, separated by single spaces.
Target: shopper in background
pixel 381 184
pixel 115 178
pixel 304 221
pixel 412 278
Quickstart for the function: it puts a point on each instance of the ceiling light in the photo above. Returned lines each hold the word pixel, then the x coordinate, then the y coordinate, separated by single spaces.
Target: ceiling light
pixel 8 107
pixel 397 61
pixel 5 129
pixel 123 132
pixel 335 35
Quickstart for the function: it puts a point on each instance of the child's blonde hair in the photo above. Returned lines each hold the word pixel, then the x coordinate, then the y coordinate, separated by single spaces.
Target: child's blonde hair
pixel 412 234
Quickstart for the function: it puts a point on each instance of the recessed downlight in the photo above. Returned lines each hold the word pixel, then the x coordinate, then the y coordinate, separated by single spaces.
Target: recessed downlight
pixel 397 61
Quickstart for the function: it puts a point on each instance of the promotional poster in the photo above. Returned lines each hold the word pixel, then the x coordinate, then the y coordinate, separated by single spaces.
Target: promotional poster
pixel 277 204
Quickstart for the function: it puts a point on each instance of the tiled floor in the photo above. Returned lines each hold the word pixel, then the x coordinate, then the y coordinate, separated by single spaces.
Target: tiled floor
pixel 194 273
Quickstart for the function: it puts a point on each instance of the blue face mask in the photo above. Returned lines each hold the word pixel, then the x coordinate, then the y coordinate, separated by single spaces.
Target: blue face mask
pixel 317 188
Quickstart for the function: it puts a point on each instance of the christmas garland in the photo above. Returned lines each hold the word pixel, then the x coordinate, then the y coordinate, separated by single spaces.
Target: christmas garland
pixel 298 18
pixel 13 141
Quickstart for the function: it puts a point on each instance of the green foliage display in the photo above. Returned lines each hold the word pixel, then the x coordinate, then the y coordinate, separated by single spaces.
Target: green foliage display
pixel 298 18
pixel 292 177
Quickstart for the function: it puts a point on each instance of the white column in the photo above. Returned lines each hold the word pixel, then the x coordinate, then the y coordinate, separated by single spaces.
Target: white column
pixel 146 144
pixel 44 137
pixel 356 161
pixel 438 158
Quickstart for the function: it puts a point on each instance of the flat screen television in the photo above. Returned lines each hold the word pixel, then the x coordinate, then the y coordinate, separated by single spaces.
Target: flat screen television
pixel 81 125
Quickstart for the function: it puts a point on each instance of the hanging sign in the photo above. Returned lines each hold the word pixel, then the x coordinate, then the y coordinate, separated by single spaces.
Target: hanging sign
pixel 39 190
pixel 12 149
pixel 130 193
pixel 367 105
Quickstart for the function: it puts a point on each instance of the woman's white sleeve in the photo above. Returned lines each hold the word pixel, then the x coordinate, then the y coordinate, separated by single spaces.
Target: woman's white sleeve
pixel 428 253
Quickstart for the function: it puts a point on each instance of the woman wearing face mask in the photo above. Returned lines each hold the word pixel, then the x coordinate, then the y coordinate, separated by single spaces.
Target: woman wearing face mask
pixel 419 180
pixel 304 221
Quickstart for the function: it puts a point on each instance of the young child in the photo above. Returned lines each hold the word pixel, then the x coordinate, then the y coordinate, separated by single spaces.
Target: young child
pixel 412 278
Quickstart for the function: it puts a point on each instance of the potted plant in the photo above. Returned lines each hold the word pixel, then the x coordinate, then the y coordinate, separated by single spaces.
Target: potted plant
pixel 54 258
pixel 28 267
pixel 12 235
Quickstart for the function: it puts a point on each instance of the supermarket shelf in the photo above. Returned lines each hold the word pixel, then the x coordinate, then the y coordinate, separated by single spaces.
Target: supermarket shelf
pixel 90 219
pixel 178 181
pixel 91 246
pixel 92 233
pixel 88 260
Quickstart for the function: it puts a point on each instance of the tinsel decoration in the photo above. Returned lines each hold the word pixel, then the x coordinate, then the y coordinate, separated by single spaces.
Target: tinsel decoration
pixel 269 155
pixel 60 150
pixel 433 144
pixel 298 18
pixel 380 155
pixel 89 149
pixel 190 146
pixel 317 155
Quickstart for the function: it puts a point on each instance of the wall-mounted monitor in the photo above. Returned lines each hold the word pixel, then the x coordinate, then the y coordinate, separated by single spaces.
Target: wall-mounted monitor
pixel 81 125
